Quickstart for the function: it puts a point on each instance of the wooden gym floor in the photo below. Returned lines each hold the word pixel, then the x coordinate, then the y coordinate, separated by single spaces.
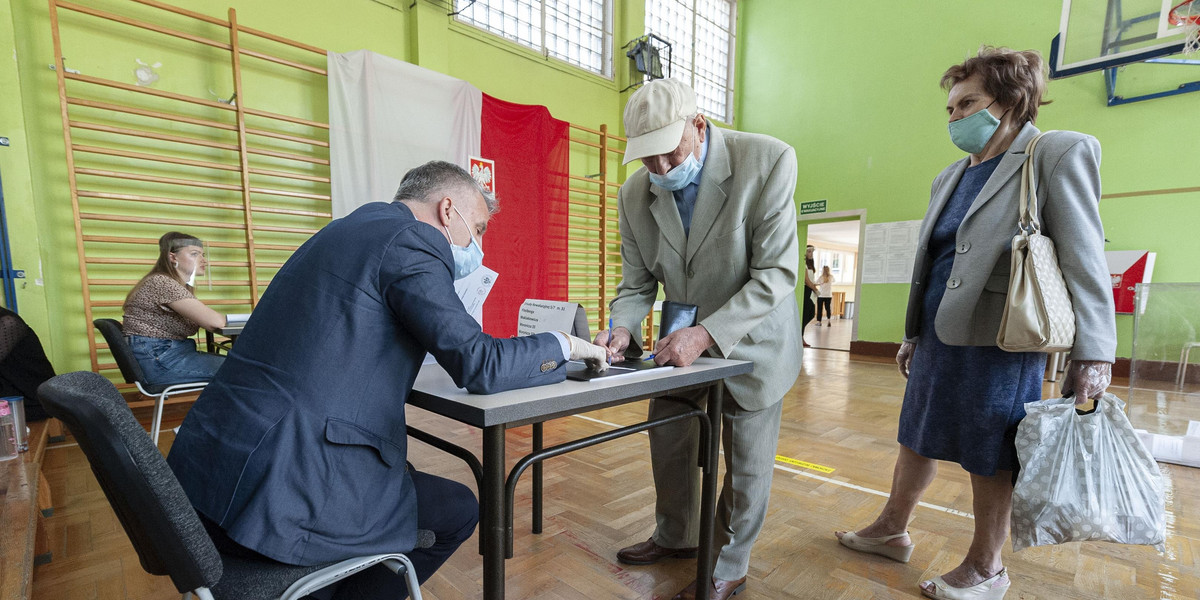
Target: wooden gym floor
pixel 841 415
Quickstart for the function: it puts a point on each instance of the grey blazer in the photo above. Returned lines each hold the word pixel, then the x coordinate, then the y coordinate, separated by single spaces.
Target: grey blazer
pixel 739 265
pixel 1068 175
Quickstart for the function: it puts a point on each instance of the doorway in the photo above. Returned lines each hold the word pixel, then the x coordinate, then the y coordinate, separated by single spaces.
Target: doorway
pixel 837 240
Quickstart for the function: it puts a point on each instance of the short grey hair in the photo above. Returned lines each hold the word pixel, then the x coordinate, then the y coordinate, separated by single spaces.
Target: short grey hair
pixel 436 179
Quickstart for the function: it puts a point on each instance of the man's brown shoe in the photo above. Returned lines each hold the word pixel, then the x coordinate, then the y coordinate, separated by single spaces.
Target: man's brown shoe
pixel 648 553
pixel 721 590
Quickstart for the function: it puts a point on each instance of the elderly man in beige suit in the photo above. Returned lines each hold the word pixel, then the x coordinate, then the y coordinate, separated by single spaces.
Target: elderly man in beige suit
pixel 711 218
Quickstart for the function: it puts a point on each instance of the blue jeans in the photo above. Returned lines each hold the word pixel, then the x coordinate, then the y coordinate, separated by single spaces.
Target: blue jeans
pixel 166 362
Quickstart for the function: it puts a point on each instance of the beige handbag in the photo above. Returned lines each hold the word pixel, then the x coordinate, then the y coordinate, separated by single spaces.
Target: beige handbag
pixel 1037 313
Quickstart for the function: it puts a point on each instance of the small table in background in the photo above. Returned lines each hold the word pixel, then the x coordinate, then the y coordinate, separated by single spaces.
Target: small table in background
pixel 229 331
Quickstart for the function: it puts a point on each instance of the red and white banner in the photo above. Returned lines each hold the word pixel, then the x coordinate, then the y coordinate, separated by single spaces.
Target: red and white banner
pixel 387 116
pixel 1127 268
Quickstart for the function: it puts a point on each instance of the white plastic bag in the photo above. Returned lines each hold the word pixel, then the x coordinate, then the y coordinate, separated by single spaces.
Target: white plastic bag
pixel 1084 478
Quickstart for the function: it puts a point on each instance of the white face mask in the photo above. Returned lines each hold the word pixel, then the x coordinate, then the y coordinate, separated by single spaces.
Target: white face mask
pixel 682 174
pixel 466 260
pixel 191 279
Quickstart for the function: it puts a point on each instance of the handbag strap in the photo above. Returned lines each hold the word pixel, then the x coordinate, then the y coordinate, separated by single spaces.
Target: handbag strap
pixel 1027 215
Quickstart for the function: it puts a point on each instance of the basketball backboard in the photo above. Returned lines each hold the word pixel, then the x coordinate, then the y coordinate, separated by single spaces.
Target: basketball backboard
pixel 1099 34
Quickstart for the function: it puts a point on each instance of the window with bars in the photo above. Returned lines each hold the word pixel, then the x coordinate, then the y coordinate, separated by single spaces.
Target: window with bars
pixel 578 32
pixel 701 33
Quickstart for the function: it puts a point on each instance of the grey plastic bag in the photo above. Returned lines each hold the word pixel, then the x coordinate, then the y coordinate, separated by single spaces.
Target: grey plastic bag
pixel 1085 477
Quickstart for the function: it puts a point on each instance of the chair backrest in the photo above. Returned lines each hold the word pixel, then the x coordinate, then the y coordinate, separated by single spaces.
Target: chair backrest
pixel 119 346
pixel 152 506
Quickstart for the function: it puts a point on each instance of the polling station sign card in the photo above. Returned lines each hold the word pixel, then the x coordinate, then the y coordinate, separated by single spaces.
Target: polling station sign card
pixel 541 316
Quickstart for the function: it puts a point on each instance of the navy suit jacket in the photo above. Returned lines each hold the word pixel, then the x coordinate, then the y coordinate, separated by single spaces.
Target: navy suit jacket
pixel 297 448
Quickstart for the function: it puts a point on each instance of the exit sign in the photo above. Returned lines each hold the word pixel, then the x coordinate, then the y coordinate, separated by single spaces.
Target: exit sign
pixel 809 208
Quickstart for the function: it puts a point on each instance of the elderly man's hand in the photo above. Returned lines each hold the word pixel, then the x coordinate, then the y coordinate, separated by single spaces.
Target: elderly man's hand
pixel 682 347
pixel 615 342
pixel 1087 379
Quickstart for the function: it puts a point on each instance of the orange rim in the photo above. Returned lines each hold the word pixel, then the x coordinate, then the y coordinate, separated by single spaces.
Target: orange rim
pixel 1177 19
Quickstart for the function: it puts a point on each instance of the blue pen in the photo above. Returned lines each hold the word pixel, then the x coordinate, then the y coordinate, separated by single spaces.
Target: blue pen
pixel 651 357
pixel 610 333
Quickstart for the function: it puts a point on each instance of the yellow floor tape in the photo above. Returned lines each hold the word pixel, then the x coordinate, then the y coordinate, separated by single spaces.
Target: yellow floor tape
pixel 806 465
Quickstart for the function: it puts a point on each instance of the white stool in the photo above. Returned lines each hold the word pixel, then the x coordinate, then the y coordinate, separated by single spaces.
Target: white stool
pixel 1056 363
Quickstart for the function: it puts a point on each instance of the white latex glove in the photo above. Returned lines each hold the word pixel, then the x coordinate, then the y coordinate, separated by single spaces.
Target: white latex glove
pixel 595 357
pixel 1086 379
pixel 904 357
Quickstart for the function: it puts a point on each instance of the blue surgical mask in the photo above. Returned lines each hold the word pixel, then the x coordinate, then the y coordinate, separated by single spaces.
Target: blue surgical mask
pixel 972 133
pixel 679 177
pixel 466 260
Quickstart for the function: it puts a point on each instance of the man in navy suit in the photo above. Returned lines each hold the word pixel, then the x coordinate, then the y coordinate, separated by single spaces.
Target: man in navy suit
pixel 297 449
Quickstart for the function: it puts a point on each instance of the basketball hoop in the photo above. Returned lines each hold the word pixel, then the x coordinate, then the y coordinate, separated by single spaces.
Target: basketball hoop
pixel 1187 15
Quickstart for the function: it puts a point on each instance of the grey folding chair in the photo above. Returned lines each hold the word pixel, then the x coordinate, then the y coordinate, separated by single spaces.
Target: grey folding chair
pixel 164 528
pixel 132 372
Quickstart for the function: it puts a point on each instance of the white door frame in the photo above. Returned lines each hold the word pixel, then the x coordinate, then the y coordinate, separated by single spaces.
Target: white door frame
pixel 846 215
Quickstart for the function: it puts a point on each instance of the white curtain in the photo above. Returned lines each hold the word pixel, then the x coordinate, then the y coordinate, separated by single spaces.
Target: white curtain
pixel 387 116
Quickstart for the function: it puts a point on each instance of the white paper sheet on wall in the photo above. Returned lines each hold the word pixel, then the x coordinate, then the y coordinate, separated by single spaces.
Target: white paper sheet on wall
pixel 889 250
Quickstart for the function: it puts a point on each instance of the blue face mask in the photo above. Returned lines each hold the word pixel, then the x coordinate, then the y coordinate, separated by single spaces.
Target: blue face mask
pixel 466 260
pixel 972 133
pixel 679 177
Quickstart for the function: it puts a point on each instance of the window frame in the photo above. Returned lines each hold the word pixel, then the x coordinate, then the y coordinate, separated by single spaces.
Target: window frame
pixel 607 35
pixel 729 84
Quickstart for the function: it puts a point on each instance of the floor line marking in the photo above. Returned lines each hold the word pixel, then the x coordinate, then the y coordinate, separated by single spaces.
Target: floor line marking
pixel 821 478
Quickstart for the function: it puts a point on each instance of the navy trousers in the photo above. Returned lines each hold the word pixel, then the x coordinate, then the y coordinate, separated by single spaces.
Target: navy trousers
pixel 445 507
pixel 449 510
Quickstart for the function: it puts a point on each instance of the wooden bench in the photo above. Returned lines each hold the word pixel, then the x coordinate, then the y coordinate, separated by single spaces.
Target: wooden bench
pixel 24 503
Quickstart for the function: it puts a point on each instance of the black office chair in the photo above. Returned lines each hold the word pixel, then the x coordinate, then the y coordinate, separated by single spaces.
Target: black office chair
pixel 157 516
pixel 132 372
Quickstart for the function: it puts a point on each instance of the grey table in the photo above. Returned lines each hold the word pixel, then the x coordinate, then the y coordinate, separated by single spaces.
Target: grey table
pixel 434 391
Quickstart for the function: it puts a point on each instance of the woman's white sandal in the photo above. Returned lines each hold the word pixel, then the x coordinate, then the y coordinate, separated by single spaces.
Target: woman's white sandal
pixel 992 588
pixel 878 545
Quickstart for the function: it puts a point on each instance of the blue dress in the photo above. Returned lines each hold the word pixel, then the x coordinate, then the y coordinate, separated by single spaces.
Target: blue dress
pixel 963 403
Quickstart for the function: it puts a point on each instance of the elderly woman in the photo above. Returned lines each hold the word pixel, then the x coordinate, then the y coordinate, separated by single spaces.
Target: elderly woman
pixel 162 313
pixel 965 396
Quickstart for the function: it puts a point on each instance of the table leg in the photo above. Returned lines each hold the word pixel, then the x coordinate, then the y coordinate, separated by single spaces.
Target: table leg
pixel 210 344
pixel 708 493
pixel 537 480
pixel 493 520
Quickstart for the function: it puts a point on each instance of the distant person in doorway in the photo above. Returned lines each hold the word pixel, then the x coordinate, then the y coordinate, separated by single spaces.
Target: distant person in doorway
pixel 810 288
pixel 965 396
pixel 162 314
pixel 825 296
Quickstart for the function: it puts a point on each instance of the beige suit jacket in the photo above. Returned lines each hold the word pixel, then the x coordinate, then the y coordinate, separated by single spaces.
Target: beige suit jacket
pixel 1068 178
pixel 739 264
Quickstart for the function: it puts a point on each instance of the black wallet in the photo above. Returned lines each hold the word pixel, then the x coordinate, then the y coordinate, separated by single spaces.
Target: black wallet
pixel 675 316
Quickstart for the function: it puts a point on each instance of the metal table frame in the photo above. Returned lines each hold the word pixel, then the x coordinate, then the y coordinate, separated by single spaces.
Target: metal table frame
pixel 434 391
pixel 230 331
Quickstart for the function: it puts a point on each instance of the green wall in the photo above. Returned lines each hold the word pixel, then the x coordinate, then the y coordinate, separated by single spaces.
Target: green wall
pixel 34 168
pixel 866 117
pixel 860 102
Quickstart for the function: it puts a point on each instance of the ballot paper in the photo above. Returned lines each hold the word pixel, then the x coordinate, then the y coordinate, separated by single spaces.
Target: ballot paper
pixel 472 290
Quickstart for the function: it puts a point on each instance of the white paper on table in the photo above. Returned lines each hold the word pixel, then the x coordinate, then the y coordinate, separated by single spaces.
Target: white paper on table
pixel 236 318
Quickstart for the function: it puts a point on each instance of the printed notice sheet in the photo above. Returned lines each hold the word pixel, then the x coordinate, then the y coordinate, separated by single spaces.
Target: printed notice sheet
pixel 889 250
